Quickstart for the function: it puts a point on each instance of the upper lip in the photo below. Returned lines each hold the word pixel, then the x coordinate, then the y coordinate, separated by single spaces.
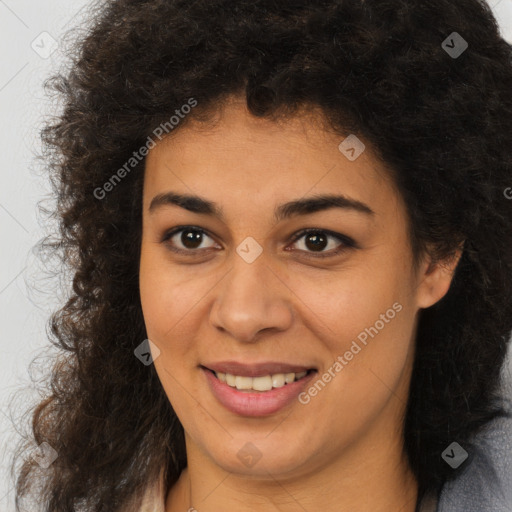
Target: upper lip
pixel 256 369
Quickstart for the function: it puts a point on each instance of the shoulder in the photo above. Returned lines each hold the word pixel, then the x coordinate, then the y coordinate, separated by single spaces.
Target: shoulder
pixel 486 483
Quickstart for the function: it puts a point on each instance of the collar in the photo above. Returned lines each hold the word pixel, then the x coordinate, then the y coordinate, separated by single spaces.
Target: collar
pixel 154 497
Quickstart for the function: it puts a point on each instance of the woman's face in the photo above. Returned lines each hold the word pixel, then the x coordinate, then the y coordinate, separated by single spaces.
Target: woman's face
pixel 246 298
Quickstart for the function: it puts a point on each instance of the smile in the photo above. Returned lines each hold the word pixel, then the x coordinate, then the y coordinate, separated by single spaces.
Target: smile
pixel 264 383
pixel 256 396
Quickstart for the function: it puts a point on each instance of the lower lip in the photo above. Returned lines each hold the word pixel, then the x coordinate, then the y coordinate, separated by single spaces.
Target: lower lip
pixel 258 403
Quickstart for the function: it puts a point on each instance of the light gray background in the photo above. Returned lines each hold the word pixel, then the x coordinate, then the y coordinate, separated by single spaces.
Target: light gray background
pixel 26 298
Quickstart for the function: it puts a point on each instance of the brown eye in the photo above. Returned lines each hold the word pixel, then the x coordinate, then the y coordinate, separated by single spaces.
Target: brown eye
pixel 190 239
pixel 316 240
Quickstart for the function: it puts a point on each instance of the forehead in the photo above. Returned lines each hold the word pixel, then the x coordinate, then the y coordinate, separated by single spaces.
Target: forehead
pixel 244 159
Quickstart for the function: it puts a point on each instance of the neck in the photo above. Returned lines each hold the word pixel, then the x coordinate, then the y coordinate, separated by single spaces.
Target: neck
pixel 381 482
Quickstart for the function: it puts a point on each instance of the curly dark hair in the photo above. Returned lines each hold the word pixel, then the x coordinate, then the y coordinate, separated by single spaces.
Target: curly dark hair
pixel 441 123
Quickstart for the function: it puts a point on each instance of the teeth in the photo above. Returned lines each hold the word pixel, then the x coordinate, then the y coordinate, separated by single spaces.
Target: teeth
pixel 278 380
pixel 260 383
pixel 243 382
pixel 265 383
pixel 289 377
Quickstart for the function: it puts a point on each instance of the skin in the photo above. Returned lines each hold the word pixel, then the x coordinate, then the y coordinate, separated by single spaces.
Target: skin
pixel 343 450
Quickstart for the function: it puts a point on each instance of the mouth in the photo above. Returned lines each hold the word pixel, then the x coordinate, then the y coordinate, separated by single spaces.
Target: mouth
pixel 262 383
pixel 259 395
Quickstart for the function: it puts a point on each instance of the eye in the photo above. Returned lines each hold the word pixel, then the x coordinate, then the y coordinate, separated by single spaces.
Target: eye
pixel 315 241
pixel 190 239
pixel 318 239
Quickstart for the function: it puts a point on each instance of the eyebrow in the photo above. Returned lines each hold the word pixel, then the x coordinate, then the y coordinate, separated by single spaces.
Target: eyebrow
pixel 303 206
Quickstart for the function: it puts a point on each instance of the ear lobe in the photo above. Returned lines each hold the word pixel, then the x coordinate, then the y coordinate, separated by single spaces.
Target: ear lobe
pixel 435 280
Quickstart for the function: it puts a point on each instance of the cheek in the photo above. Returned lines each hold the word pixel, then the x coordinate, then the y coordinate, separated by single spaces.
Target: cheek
pixel 152 294
pixel 366 318
pixel 167 296
pixel 167 301
pixel 344 305
pixel 370 329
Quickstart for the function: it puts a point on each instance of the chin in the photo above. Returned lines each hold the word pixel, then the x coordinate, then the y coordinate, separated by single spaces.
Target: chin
pixel 260 457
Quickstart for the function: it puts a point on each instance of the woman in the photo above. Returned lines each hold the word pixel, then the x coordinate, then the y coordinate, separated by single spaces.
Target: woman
pixel 291 243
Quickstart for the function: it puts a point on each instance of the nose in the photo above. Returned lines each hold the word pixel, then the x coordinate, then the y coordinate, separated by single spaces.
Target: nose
pixel 251 299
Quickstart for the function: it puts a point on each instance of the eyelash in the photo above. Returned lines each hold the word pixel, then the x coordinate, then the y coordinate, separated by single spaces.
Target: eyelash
pixel 347 242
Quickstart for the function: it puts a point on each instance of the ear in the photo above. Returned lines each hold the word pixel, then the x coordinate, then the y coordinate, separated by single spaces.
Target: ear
pixel 435 279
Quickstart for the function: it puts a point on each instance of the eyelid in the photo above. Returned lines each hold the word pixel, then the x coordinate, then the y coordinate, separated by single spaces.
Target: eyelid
pixel 346 241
